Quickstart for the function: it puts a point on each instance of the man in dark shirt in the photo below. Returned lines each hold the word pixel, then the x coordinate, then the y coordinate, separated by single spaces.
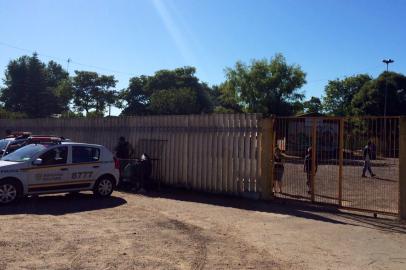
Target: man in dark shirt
pixel 368 156
pixel 123 152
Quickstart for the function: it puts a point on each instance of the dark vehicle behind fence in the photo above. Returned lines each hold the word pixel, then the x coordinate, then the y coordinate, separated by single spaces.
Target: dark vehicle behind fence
pixel 138 173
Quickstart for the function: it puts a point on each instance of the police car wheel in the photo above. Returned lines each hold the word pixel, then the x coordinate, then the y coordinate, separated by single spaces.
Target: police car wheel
pixel 9 192
pixel 104 187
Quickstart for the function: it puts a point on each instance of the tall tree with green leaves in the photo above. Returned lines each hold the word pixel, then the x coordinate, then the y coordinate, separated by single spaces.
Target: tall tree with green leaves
pixel 313 105
pixel 226 99
pixel 33 88
pixel 370 100
pixel 176 91
pixel 339 94
pixel 265 86
pixel 92 91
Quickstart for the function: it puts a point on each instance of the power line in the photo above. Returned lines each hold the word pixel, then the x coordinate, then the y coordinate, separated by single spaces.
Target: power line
pixel 69 60
pixel 102 68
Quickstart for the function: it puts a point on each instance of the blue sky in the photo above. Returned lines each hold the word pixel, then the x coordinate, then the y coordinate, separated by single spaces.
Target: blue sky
pixel 328 38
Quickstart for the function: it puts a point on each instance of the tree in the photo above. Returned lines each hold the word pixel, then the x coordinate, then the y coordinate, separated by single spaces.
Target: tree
pixel 370 100
pixel 313 105
pixel 112 98
pixel 176 91
pixel 268 87
pixel 31 87
pixel 136 96
pixel 226 99
pixel 56 74
pixel 92 91
pixel 339 94
pixel 177 101
pixel 64 94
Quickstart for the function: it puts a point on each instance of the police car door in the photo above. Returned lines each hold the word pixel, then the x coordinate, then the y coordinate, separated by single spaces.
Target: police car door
pixel 50 171
pixel 85 163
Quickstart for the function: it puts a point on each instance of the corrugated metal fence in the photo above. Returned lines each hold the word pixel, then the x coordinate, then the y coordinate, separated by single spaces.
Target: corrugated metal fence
pixel 215 153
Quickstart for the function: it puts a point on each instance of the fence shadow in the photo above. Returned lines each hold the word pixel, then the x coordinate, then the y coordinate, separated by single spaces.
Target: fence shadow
pixel 381 223
pixel 61 204
pixel 301 209
pixel 279 207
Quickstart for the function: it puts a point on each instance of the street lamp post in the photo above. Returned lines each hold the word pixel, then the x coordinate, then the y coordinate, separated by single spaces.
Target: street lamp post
pixel 387 62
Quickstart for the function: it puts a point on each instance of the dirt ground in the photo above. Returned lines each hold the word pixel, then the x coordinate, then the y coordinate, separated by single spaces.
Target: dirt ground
pixel 176 229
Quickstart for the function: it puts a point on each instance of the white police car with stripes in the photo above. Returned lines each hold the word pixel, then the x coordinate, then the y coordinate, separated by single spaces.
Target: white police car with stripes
pixel 57 168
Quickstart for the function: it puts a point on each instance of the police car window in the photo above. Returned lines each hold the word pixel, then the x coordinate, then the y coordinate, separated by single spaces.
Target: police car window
pixel 55 156
pixel 85 154
pixel 24 153
pixel 3 144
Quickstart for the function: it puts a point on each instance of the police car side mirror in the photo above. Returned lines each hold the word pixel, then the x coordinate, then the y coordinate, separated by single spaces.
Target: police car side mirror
pixel 38 161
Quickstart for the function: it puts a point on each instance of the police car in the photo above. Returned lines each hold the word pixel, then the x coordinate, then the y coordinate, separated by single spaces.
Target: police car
pixel 57 168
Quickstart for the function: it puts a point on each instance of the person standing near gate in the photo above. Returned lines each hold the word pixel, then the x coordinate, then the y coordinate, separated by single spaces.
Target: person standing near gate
pixel 123 151
pixel 308 167
pixel 278 170
pixel 367 160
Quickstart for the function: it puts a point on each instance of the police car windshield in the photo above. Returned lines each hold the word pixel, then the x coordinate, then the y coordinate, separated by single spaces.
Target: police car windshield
pixel 24 153
pixel 3 144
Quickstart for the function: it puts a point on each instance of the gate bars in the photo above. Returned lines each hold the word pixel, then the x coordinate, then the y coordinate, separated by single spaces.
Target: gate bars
pixel 332 172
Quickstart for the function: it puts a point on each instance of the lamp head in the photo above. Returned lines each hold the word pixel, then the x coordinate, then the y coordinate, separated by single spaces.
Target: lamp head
pixel 388 61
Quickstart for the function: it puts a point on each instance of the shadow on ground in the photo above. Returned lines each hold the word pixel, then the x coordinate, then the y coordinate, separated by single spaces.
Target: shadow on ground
pixel 61 204
pixel 277 207
pixel 322 213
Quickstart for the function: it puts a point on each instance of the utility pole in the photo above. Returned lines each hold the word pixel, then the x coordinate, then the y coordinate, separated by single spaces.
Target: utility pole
pixel 67 66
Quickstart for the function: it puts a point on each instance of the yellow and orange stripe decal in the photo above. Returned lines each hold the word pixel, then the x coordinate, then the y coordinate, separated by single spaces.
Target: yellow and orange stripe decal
pixel 55 184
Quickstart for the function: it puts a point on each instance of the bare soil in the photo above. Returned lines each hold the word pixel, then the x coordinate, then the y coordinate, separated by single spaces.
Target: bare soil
pixel 176 229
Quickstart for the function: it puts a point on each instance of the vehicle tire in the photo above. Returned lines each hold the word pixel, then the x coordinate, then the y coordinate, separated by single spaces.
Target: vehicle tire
pixel 103 187
pixel 10 191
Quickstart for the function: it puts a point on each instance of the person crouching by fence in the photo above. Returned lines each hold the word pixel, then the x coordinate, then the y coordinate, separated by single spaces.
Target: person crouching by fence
pixel 308 168
pixel 368 155
pixel 123 152
pixel 278 170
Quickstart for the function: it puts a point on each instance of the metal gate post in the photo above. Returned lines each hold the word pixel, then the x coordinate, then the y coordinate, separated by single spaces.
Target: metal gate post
pixel 402 168
pixel 340 163
pixel 273 145
pixel 266 159
pixel 314 156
